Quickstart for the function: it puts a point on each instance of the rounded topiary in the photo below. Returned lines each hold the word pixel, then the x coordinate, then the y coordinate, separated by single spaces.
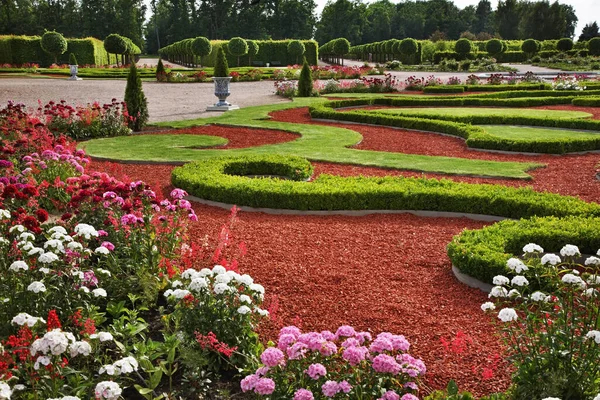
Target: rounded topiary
pixel 54 44
pixel 253 48
pixel 238 47
pixel 221 67
pixel 531 46
pixel 305 84
pixel 72 59
pixel 201 47
pixel 594 46
pixel 463 46
pixel 408 47
pixel 341 47
pixel 494 46
pixel 565 44
pixel 296 49
pixel 135 100
pixel 388 46
pixel 115 44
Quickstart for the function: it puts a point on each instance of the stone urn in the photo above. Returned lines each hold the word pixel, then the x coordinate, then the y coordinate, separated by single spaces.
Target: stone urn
pixel 222 92
pixel 74 69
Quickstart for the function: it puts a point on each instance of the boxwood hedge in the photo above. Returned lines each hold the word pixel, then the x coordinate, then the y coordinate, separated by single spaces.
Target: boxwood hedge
pixel 593 101
pixel 483 253
pixel 223 180
pixel 444 89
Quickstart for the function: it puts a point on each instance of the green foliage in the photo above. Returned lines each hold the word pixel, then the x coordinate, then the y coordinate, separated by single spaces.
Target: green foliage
pixel 463 46
pixel 137 105
pixel 408 47
pixel 115 44
pixel 237 47
pixel 564 44
pixel 305 84
pixel 444 89
pixel 593 101
pixel 72 59
pixel 253 49
pixel 341 46
pixel 201 47
pixel 530 46
pixel 494 46
pixel 450 393
pixel 296 48
pixel 160 70
pixel 53 43
pixel 221 66
pixel 594 46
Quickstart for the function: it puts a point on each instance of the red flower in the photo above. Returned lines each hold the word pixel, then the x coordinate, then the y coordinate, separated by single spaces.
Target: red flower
pixel 89 327
pixel 53 321
pixel 42 215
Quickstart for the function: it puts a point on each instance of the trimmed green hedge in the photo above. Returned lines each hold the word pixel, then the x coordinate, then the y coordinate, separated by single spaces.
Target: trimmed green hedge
pixel 444 89
pixel 483 253
pixel 219 180
pixel 508 88
pixel 587 101
pixel 460 126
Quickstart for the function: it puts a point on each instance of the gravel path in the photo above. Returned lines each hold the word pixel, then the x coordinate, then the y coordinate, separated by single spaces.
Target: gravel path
pixel 166 101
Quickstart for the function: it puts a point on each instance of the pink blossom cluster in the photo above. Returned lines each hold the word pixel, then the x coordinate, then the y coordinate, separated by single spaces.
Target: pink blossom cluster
pixel 59 154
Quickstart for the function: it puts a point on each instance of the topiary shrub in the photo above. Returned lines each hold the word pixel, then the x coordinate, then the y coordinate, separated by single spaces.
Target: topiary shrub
pixel 253 48
pixel 494 46
pixel 221 67
pixel 161 74
pixel 54 44
pixel 564 44
pixel 115 44
pixel 594 46
pixel 72 59
pixel 296 49
pixel 305 84
pixel 463 47
pixel 408 47
pixel 201 47
pixel 135 99
pixel 530 47
pixel 341 47
pixel 238 47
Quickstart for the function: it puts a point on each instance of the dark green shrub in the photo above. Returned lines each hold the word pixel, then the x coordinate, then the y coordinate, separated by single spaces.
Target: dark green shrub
pixel 72 59
pixel 115 44
pixel 161 74
pixel 564 44
pixel 444 89
pixel 253 48
pixel 463 46
pixel 494 46
pixel 536 59
pixel 341 47
pixel 408 47
pixel 135 99
pixel 465 65
pixel 221 67
pixel 530 47
pixel 305 84
pixel 587 101
pixel 594 46
pixel 201 47
pixel 238 47
pixel 54 43
pixel 296 49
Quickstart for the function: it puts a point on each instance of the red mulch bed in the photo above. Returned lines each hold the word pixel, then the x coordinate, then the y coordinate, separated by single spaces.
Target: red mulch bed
pixel 238 137
pixel 378 272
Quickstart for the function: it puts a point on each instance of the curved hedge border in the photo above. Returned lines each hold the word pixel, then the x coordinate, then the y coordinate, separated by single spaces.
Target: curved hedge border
pixel 476 137
pixel 444 89
pixel 592 101
pixel 483 253
pixel 219 180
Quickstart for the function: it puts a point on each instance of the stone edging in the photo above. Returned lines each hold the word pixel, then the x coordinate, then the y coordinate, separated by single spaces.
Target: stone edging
pixel 470 281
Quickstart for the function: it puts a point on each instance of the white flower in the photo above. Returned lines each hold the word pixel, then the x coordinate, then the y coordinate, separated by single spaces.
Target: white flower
pixel 26 319
pixel 4 214
pixel 593 279
pixel 104 271
pixel 25 246
pixel 189 273
pixel 198 284
pixel 80 347
pixel 592 261
pixel 66 398
pixel 223 278
pixel 84 289
pixel 519 280
pixel 177 293
pixel 26 236
pixel 261 312
pixel 74 246
pixel 571 279
pixel 219 269
pixel 108 390
pixel 488 306
pixel 58 229
pixel 47 258
pixel 5 391
pixel 514 293
pixel 221 288
pixel 17 265
pixel 55 342
pixel 55 244
pixel 44 270
pixel 85 230
pixel 108 369
pixel 570 250
pixel 593 335
pixel 99 292
pixel 532 248
pixel 3 241
pixel 245 299
pixel 36 287
pixel 19 228
pixel 176 284
pixel 126 365
pixel 597 397
pixel 102 336
pixel 19 387
pixel 243 310
pixel 35 250
pixel 246 280
pixel 498 291
pixel 590 292
pixel 500 280
pixel 102 250
pixel 539 296
pixel 507 315
pixel 551 259
pixel 205 272
pixel 255 287
pixel 41 360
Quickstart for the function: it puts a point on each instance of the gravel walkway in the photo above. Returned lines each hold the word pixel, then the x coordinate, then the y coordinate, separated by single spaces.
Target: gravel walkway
pixel 166 101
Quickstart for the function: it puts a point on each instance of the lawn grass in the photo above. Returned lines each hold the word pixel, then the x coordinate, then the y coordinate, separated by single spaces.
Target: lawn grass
pixel 512 132
pixel 486 111
pixel 317 143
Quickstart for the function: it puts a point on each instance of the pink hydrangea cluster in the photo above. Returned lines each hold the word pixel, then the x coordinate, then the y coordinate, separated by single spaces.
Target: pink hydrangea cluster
pixel 337 362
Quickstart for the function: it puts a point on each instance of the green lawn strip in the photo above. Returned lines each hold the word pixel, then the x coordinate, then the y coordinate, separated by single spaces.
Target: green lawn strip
pixel 512 132
pixel 224 180
pixel 482 253
pixel 486 111
pixel 318 143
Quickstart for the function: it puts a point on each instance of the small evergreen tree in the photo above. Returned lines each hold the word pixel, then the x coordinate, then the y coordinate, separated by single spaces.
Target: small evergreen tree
pixel 252 50
pixel 305 83
pixel 221 67
pixel 135 99
pixel 72 59
pixel 160 70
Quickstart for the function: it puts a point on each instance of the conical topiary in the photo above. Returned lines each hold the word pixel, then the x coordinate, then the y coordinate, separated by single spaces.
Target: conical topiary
pixel 137 105
pixel 160 70
pixel 72 59
pixel 221 67
pixel 305 83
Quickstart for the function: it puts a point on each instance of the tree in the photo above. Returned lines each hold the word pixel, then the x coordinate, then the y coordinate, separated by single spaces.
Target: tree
pixel 494 47
pixel 379 21
pixel 342 18
pixel 341 47
pixel 296 48
pixel 508 19
pixel 160 70
pixel 564 44
pixel 221 67
pixel 201 47
pixel 589 31
pixel 135 99
pixel 115 44
pixel 463 47
pixel 530 47
pixel 305 85
pixel 252 50
pixel 484 17
pixel 594 46
pixel 54 44
pixel 291 19
pixel 238 47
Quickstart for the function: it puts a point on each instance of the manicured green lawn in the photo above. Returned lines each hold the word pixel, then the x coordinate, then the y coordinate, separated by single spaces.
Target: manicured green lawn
pixel 485 111
pixel 318 143
pixel 534 133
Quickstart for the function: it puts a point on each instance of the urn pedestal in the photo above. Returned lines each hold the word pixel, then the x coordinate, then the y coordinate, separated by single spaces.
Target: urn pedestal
pixel 74 69
pixel 222 92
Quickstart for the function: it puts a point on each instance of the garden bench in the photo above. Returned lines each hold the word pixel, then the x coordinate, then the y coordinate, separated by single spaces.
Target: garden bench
pixel 258 64
pixel 275 63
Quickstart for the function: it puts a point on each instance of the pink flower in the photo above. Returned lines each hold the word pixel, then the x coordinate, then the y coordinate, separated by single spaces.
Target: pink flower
pixel 350 342
pixel 390 395
pixel 345 331
pixel 409 396
pixel 316 371
pixel 297 351
pixel 128 219
pixel 108 245
pixel 345 387
pixel 178 194
pixel 328 348
pixel 381 344
pixel 363 336
pixel 386 364
pixel 292 330
pixel 285 341
pixel 193 217
pixel 262 371
pixel 249 382
pixel 330 388
pixel 272 357
pixel 184 204
pixel 411 385
pixel 303 394
pixel 264 386
pixel 355 355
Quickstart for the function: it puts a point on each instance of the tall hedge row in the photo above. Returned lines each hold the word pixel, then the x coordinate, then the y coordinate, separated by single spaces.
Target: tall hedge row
pixel 27 49
pixel 269 51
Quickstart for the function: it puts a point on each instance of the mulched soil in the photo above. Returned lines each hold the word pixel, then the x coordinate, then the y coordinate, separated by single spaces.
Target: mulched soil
pixel 378 272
